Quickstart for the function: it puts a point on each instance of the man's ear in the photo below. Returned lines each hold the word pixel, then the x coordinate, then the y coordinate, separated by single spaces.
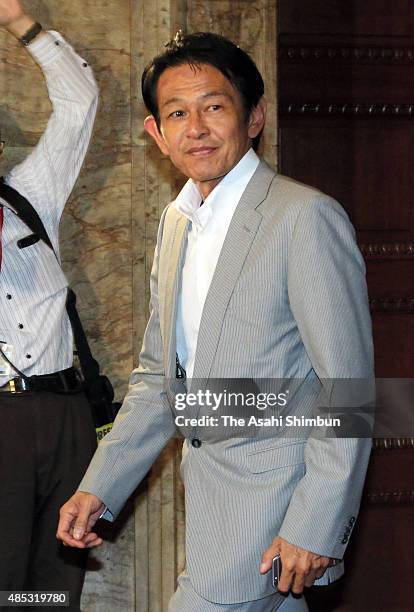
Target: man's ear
pixel 151 127
pixel 257 118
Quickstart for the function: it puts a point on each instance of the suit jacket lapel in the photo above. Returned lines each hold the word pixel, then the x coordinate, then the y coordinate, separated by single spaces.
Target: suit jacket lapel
pixel 176 255
pixel 238 241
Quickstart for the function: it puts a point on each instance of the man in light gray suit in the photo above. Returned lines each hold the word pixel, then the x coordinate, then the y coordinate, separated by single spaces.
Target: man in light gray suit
pixel 255 276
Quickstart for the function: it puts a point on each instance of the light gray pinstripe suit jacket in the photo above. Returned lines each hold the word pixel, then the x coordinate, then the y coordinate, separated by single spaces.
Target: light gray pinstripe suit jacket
pixel 288 300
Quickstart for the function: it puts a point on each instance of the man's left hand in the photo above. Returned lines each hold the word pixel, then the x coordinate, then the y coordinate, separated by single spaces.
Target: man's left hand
pixel 300 567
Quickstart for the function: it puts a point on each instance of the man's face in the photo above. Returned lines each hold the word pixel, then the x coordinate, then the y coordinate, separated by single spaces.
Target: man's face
pixel 203 128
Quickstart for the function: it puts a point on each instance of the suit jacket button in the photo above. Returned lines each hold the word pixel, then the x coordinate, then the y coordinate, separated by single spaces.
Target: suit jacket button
pixel 344 540
pixel 352 520
pixel 196 442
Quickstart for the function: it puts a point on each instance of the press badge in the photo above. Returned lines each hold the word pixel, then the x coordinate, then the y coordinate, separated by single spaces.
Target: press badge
pixel 6 370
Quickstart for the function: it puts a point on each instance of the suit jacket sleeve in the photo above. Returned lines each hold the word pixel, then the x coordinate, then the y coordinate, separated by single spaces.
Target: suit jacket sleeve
pixel 328 297
pixel 144 423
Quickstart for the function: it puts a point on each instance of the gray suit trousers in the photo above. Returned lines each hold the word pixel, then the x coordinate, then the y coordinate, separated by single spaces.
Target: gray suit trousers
pixel 186 599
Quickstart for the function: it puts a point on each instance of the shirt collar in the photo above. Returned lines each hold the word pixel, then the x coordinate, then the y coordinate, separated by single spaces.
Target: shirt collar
pixel 5 204
pixel 224 197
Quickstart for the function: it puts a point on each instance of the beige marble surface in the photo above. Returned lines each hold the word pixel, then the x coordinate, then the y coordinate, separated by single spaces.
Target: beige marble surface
pixel 109 229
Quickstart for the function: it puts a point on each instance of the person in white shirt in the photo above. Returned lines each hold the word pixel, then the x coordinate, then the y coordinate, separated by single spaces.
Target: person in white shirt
pixel 46 437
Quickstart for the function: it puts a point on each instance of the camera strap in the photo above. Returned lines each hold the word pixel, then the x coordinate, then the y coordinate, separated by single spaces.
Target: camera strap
pixel 28 214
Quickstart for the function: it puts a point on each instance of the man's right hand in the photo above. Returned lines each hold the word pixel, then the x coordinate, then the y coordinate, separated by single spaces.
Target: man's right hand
pixel 77 517
pixel 14 18
pixel 10 10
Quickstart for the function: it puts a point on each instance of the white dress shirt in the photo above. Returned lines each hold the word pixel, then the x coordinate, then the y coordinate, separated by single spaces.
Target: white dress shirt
pixel 207 230
pixel 33 318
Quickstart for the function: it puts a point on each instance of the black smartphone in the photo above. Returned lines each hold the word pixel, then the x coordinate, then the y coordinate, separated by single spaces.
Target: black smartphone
pixel 276 571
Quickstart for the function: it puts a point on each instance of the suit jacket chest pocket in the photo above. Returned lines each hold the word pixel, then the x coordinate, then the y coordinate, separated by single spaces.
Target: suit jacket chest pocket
pixel 259 299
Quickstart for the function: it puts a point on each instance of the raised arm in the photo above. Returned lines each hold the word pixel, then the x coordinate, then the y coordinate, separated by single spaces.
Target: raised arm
pixel 47 176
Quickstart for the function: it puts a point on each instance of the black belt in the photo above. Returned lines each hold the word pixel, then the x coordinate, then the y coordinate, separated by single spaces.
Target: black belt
pixel 65 381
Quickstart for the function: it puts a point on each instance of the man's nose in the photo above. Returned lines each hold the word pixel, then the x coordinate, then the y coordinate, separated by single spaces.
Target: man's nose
pixel 196 127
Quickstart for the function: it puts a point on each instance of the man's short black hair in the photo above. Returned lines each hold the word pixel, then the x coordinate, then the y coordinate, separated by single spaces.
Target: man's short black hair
pixel 206 48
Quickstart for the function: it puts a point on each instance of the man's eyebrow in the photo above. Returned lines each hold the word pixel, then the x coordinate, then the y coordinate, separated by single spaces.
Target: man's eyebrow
pixel 215 94
pixel 210 94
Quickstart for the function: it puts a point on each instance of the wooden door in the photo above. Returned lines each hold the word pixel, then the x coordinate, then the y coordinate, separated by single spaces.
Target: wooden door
pixel 346 125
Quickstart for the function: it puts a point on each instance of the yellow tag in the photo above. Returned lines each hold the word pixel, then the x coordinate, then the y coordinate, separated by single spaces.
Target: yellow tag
pixel 102 431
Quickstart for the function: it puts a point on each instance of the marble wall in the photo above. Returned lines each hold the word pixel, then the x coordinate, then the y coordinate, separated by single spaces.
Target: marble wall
pixel 109 229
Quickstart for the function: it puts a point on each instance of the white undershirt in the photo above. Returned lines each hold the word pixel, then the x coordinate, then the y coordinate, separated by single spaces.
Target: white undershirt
pixel 207 230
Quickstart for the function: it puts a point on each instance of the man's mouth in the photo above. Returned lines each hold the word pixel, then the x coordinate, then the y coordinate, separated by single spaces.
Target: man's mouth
pixel 201 151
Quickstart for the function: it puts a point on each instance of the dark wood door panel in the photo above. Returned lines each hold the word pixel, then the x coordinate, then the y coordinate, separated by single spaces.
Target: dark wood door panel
pixel 346 126
pixel 378 562
pixel 393 334
pixel 320 81
pixel 378 555
pixel 346 17
pixel 365 164
pixel 384 282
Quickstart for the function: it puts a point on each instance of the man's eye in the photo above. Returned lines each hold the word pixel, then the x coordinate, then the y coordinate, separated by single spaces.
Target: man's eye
pixel 214 107
pixel 177 113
